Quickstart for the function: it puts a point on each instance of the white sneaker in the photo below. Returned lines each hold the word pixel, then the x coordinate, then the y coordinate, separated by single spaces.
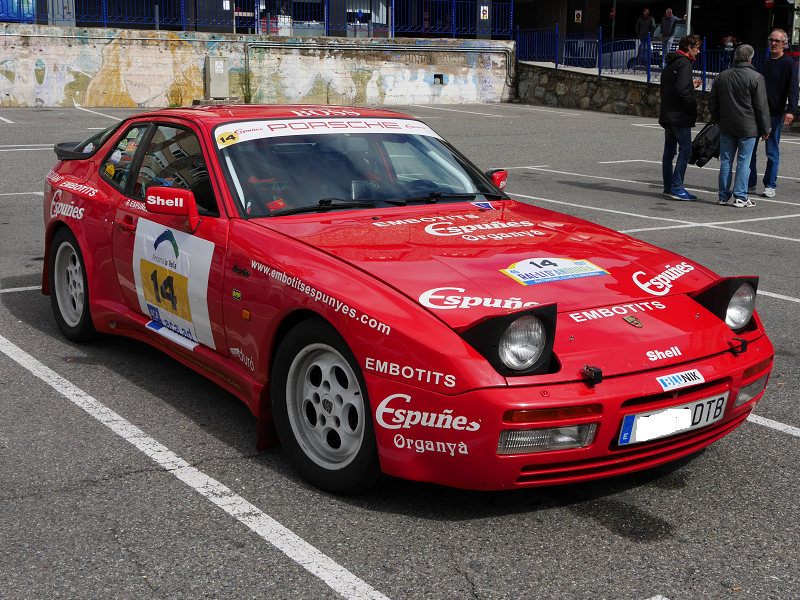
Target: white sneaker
pixel 740 202
pixel 769 192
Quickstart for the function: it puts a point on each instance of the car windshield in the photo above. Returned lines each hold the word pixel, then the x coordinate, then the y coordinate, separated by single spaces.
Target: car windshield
pixel 319 171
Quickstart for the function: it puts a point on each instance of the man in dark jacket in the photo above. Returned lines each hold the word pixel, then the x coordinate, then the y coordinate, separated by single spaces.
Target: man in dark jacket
pixel 738 102
pixel 668 23
pixel 644 29
pixel 678 115
pixel 780 75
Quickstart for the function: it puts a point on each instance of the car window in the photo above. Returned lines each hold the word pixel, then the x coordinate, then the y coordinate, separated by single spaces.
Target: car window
pixel 174 158
pixel 93 143
pixel 117 164
pixel 412 163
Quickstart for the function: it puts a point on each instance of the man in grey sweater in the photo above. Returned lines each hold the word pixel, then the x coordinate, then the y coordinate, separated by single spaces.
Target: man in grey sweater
pixel 738 102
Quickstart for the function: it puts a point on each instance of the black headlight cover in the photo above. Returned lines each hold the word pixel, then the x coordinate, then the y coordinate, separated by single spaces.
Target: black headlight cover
pixel 485 336
pixel 717 296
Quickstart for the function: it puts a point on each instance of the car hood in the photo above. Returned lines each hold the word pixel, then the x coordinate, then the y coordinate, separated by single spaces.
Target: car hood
pixel 467 261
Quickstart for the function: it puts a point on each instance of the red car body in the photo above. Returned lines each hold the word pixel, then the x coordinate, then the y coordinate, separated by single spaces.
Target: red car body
pixel 403 285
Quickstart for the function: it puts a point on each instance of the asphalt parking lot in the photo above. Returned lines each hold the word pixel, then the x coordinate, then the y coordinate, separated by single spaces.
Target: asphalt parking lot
pixel 85 514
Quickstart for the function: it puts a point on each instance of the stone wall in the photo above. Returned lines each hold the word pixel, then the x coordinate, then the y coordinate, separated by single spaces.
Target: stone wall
pixel 576 88
pixel 61 66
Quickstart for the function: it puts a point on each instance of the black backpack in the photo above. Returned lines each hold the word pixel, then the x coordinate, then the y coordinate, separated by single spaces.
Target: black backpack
pixel 705 145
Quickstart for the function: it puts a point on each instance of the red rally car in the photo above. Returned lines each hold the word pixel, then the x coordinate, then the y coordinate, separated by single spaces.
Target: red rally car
pixel 384 307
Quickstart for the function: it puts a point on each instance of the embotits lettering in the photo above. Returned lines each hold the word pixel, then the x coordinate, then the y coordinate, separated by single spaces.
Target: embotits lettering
pixel 404 418
pixel 622 309
pixel 416 374
pixel 659 355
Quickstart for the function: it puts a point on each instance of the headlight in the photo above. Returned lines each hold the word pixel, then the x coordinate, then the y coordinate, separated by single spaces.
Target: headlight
pixel 522 343
pixel 741 307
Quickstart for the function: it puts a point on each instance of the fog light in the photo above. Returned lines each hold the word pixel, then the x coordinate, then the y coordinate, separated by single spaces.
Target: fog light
pixel 750 391
pixel 526 441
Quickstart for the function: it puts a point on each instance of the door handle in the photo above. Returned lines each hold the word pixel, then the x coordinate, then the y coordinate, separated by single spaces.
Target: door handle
pixel 124 226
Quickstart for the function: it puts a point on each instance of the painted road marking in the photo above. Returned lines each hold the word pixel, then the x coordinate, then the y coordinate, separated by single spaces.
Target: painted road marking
pixel 780 296
pixel 685 223
pixel 782 427
pixel 307 556
pixel 95 112
pixel 24 145
pixel 21 193
pixel 652 185
pixel 658 162
pixel 21 289
pixel 25 149
pixel 547 110
pixel 6 120
pixel 469 112
pixel 737 222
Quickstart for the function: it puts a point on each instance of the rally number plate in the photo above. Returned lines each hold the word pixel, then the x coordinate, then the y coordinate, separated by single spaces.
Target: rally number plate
pixel 656 424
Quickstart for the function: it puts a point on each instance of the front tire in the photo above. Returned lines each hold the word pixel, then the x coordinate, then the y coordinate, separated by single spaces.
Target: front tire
pixel 69 290
pixel 321 410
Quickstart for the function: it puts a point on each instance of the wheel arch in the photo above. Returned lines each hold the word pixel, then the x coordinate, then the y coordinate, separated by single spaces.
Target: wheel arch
pixel 50 233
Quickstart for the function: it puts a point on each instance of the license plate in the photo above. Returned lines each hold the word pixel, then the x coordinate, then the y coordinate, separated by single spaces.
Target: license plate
pixel 657 424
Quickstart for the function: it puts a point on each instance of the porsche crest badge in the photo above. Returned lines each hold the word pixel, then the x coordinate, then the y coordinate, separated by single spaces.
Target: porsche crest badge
pixel 633 321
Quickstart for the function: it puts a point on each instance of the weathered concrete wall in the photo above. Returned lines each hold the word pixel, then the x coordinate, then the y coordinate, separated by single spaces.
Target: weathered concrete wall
pixel 56 66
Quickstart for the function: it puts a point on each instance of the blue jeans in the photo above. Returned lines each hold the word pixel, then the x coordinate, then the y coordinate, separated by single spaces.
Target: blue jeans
pixel 676 137
pixel 666 44
pixel 728 148
pixel 773 156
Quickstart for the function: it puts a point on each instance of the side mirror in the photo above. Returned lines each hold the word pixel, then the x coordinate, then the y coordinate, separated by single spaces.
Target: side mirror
pixel 499 177
pixel 173 201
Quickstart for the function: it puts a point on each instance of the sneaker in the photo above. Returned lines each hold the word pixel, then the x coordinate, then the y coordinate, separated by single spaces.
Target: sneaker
pixel 769 192
pixel 682 195
pixel 667 193
pixel 740 202
pixel 723 202
pixel 749 203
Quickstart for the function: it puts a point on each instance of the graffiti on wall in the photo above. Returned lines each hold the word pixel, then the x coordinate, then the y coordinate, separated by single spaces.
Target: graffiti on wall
pixel 49 66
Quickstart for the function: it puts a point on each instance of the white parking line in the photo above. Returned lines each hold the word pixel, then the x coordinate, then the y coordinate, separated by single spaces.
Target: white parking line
pixel 780 296
pixel 307 556
pixel 547 110
pixel 658 162
pixel 25 149
pixel 782 427
pixel 22 193
pixel 21 289
pixel 25 145
pixel 6 120
pixel 469 112
pixel 97 113
pixel 684 223
pixel 737 222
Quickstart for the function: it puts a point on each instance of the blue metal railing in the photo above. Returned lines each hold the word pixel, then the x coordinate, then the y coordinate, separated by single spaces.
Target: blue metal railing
pixel 537 45
pixel 453 17
pixel 581 50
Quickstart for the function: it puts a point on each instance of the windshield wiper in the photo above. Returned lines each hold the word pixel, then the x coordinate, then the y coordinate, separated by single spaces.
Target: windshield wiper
pixel 325 205
pixel 434 197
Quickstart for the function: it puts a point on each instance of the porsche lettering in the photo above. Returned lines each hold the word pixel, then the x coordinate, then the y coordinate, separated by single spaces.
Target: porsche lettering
pixel 405 418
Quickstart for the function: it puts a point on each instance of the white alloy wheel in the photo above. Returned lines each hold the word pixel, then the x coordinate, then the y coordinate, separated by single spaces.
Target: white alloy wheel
pixel 325 406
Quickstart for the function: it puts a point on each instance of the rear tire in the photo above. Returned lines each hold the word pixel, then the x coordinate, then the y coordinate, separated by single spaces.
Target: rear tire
pixel 321 410
pixel 69 290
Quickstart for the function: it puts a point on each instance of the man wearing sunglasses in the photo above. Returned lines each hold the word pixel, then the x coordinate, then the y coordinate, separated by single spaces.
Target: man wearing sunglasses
pixel 780 74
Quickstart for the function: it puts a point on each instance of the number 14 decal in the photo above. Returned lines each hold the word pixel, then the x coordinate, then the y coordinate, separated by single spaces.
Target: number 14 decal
pixel 166 290
pixel 543 264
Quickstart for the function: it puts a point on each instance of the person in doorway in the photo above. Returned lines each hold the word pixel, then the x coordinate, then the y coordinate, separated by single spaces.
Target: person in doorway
pixel 738 102
pixel 678 115
pixel 668 23
pixel 644 29
pixel 780 77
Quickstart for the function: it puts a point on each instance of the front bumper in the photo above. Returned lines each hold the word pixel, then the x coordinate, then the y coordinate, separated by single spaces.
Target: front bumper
pixel 452 440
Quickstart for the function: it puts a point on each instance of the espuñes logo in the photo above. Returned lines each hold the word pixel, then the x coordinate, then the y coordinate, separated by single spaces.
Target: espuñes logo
pixel 404 418
pixel 662 283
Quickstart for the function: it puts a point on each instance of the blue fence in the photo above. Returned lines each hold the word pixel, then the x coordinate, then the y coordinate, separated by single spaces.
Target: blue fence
pixel 353 18
pixel 637 56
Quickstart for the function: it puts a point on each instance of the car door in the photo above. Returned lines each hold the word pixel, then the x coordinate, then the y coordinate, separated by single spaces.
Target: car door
pixel 167 272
